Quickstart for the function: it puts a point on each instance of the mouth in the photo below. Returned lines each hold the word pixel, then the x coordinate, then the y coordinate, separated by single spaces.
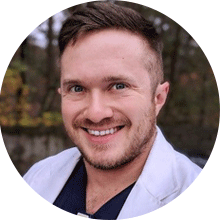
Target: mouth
pixel 103 132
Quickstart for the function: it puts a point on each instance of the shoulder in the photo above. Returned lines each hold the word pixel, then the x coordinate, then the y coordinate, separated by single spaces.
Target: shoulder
pixel 180 164
pixel 51 164
pixel 185 170
pixel 170 172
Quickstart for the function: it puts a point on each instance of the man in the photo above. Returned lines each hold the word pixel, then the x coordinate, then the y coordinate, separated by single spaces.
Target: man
pixel 112 90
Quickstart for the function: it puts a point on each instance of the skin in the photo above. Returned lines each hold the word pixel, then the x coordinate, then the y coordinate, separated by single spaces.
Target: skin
pixel 105 84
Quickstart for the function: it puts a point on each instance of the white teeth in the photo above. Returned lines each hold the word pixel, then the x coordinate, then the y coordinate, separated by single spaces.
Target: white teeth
pixel 102 133
pixel 96 133
pixel 111 131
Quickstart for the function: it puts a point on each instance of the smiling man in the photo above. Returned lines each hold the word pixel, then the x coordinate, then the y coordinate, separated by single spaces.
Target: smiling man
pixel 112 91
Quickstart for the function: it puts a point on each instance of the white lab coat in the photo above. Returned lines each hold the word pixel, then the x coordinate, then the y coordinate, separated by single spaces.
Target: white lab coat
pixel 165 176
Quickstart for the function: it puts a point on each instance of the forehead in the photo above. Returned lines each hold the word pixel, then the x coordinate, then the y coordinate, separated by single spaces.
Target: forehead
pixel 106 51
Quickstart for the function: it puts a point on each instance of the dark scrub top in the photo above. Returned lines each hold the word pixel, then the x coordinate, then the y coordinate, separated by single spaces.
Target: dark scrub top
pixel 73 196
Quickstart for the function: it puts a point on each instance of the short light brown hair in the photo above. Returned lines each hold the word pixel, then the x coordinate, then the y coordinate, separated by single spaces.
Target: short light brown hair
pixel 104 15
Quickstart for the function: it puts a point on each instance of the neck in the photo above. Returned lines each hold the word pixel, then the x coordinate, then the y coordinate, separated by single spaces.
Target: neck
pixel 103 185
pixel 119 177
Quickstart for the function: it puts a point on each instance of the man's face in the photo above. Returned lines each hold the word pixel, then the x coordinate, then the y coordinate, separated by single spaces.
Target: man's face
pixel 107 103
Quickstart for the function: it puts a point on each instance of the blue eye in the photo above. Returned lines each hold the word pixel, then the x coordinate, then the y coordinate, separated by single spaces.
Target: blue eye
pixel 119 86
pixel 77 88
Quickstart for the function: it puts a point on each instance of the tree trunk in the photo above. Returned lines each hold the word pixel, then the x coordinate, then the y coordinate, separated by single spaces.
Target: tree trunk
pixel 50 73
pixel 173 76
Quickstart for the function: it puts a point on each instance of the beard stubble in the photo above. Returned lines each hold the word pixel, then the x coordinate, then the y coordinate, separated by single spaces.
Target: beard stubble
pixel 140 143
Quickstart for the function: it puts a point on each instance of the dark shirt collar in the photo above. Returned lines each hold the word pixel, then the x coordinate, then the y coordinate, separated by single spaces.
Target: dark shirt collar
pixel 73 196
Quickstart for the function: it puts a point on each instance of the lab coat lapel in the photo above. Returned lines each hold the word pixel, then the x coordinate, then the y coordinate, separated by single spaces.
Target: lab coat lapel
pixel 156 182
pixel 57 176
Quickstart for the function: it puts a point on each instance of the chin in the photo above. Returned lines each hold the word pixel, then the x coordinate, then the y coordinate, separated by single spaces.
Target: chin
pixel 107 160
pixel 107 164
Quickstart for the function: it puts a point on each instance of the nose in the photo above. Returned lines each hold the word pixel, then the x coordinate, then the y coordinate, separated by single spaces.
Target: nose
pixel 98 108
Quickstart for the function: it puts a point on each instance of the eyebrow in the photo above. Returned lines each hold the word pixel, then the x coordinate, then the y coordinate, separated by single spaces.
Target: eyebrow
pixel 107 79
pixel 70 81
pixel 116 79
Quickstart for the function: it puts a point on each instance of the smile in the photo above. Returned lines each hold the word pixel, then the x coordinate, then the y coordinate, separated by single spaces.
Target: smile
pixel 103 132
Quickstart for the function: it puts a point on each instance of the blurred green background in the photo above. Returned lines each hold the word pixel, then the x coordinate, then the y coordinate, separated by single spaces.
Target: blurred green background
pixel 30 116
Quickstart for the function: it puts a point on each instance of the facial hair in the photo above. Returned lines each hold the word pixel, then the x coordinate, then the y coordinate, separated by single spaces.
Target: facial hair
pixel 141 141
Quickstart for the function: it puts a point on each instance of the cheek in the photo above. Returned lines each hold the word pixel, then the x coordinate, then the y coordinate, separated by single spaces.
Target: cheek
pixel 70 110
pixel 142 115
pixel 133 109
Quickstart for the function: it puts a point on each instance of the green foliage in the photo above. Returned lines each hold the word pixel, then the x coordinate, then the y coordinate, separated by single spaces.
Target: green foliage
pixel 51 118
pixel 10 106
pixel 12 82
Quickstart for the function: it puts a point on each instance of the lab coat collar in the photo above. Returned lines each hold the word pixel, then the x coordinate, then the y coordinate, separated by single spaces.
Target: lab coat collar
pixel 58 174
pixel 158 172
pixel 156 182
pixel 146 195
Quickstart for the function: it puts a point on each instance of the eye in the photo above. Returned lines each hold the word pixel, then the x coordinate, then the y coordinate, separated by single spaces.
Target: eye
pixel 119 86
pixel 76 88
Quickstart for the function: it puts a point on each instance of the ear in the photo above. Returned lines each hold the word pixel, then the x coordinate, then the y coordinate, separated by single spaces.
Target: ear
pixel 161 96
pixel 59 90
